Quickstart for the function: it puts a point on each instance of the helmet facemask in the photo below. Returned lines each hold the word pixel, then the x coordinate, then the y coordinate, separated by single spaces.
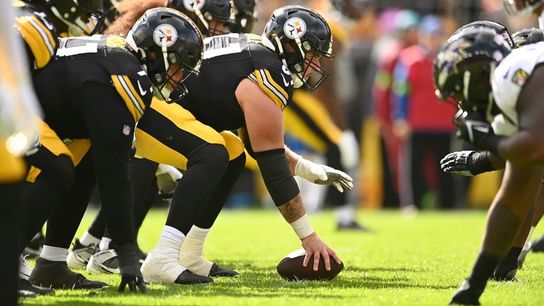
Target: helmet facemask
pixel 81 17
pixel 163 71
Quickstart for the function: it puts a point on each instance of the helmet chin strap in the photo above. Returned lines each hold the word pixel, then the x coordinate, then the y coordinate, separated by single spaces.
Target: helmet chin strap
pixel 202 19
pixel 165 91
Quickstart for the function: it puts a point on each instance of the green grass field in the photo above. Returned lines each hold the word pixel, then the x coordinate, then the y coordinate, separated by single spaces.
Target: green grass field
pixel 417 261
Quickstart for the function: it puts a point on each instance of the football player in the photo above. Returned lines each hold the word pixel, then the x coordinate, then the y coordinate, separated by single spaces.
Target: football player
pixel 510 106
pixel 176 45
pixel 18 130
pixel 212 17
pixel 317 120
pixel 470 163
pixel 245 82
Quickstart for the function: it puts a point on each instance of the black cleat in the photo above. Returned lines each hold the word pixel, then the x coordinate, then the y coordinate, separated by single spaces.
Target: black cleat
pixel 504 273
pixel 352 226
pixel 25 286
pixel 187 278
pixel 55 274
pixel 538 245
pixel 466 295
pixel 34 247
pixel 218 271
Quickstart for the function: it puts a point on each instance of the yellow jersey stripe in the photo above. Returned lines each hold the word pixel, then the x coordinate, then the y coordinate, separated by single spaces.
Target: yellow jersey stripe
pixel 276 85
pixel 132 106
pixel 267 83
pixel 134 92
pixel 42 51
pixel 266 90
pixel 48 35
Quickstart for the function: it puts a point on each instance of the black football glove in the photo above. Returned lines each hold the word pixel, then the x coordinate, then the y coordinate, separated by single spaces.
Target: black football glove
pixel 467 163
pixel 480 134
pixel 130 269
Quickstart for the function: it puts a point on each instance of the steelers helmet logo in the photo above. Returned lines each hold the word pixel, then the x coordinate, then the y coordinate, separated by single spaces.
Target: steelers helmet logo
pixel 193 5
pixel 294 28
pixel 165 34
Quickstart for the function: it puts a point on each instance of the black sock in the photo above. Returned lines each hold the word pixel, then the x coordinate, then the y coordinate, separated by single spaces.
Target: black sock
pixel 512 256
pixel 483 269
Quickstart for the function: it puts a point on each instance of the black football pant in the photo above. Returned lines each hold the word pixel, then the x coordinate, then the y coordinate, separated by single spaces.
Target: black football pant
pixel 9 256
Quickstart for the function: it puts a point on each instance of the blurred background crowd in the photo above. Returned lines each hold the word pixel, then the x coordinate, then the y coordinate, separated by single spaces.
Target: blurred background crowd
pixel 383 82
pixel 380 89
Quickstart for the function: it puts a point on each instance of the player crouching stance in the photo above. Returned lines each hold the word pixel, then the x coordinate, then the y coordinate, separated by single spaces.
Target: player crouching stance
pixel 510 106
pixel 245 83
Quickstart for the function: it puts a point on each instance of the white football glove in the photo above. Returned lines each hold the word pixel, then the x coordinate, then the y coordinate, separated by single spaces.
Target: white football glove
pixel 167 178
pixel 349 150
pixel 323 175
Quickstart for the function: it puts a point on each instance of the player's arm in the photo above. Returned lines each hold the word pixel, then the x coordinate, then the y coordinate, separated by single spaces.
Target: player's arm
pixel 527 146
pixel 266 136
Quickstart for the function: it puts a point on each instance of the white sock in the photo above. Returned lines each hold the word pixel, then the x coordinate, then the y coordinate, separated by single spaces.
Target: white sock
pixel 54 253
pixel 162 263
pixel 87 239
pixel 345 213
pixel 104 243
pixel 527 244
pixel 191 252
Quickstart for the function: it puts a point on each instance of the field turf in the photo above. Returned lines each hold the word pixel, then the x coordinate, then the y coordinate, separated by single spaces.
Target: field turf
pixel 404 261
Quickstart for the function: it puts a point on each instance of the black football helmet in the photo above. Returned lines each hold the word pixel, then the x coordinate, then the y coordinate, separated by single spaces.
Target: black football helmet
pixel 202 12
pixel 463 67
pixel 81 17
pixel 301 37
pixel 527 37
pixel 245 16
pixel 514 7
pixel 163 37
pixel 488 24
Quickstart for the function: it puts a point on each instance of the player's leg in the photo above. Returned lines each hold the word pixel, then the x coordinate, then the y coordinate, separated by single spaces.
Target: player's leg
pixel 51 268
pixel 510 207
pixel 143 185
pixel 538 244
pixel 192 248
pixel 171 135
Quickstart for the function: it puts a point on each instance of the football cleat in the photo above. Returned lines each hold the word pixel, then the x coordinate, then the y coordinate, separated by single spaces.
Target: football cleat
pixel 24 287
pixel 162 266
pixel 351 226
pixel 104 262
pixel 55 274
pixel 24 268
pixel 79 255
pixel 466 295
pixel 218 271
pixel 34 247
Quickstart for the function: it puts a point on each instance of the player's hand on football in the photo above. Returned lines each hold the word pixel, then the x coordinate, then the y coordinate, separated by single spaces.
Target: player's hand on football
pixel 459 163
pixel 316 248
pixel 323 175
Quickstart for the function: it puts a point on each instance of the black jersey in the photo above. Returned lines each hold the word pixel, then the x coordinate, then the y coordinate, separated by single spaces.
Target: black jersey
pixel 228 59
pixel 79 60
pixel 38 32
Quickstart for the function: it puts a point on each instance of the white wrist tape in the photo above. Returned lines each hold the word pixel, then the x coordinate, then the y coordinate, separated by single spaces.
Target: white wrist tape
pixel 302 227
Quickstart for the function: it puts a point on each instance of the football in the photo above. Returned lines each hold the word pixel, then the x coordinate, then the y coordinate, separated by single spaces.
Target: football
pixel 290 268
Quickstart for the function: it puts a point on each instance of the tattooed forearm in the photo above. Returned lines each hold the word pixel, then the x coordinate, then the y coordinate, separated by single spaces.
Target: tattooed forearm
pixel 292 210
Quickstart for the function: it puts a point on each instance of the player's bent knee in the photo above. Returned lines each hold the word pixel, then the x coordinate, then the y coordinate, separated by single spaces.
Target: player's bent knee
pixel 61 173
pixel 214 156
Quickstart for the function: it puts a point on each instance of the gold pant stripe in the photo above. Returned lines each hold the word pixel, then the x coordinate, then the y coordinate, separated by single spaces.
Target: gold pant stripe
pixel 150 148
pixel 75 149
pixel 12 167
